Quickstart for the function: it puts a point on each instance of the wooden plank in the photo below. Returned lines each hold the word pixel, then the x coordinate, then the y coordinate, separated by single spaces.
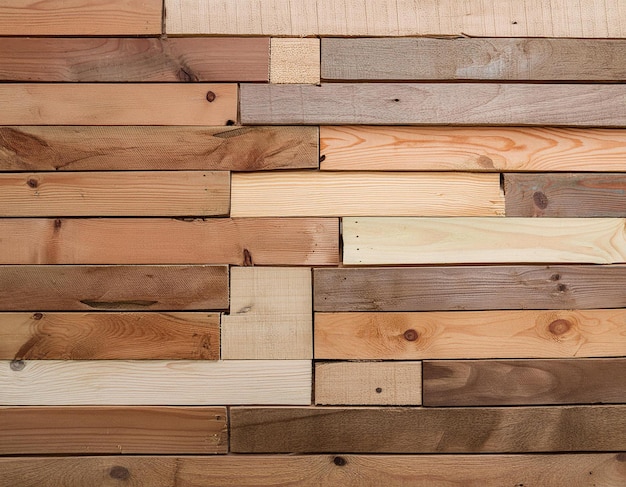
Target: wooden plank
pixel 527 382
pixel 83 148
pixel 500 18
pixel 428 430
pixel 565 195
pixel 465 58
pixel 371 241
pixel 371 383
pixel 154 382
pixel 470 334
pixel 115 59
pixel 119 287
pixel 112 430
pixel 471 149
pixel 469 288
pixel 264 241
pixel 270 314
pixel 583 105
pixel 118 104
pixel 295 60
pixel 80 17
pixel 175 193
pixel 300 193
pixel 120 336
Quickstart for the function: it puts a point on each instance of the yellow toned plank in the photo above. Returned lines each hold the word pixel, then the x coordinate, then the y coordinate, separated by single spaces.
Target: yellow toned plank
pixel 470 334
pixel 154 382
pixel 270 314
pixel 371 241
pixel 301 193
pixel 295 60
pixel 368 383
pixel 117 104
pixel 388 148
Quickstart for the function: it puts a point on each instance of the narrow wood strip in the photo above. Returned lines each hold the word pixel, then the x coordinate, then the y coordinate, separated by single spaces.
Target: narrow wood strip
pixel 301 193
pixel 154 382
pixel 119 287
pixel 428 430
pixel 390 148
pixel 469 288
pixel 470 334
pixel 565 195
pixel 263 241
pixel 175 193
pixel 119 336
pixel 528 382
pixel 112 430
pixel 117 104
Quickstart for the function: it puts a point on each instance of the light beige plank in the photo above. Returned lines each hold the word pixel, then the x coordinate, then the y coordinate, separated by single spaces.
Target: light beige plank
pixel 270 314
pixel 294 60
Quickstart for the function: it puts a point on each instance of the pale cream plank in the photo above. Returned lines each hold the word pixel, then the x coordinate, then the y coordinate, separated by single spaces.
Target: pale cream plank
pixel 294 60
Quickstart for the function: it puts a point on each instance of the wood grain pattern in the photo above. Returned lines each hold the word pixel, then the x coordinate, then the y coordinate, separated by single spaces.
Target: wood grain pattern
pixel 583 105
pixel 470 334
pixel 112 430
pixel 565 195
pixel 121 336
pixel 428 430
pixel 119 287
pixel 469 288
pixel 270 314
pixel 141 193
pixel 154 382
pixel 300 193
pixel 384 240
pixel 389 148
pixel 527 382
pixel 518 59
pixel 295 60
pixel 263 241
pixel 117 104
pixel 371 383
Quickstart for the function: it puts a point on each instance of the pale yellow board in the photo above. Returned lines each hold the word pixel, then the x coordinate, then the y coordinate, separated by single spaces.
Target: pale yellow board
pixel 371 241
pixel 270 314
pixel 368 383
pixel 302 193
pixel 294 60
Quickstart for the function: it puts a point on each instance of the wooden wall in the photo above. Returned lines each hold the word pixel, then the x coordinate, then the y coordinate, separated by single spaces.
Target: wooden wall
pixel 312 243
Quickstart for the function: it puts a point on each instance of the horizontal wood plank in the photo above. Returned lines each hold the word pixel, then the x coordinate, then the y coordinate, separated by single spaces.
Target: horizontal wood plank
pixel 154 382
pixel 295 60
pixel 110 288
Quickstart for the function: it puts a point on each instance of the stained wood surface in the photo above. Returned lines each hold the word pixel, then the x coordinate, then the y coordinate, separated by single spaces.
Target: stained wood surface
pixel 270 314
pixel 154 382
pixel 500 18
pixel 528 382
pixel 89 336
pixel 470 334
pixel 389 148
pixel 127 148
pixel 112 430
pixel 134 59
pixel 80 17
pixel 118 287
pixel 428 430
pixel 301 193
pixel 371 383
pixel 515 59
pixel 584 105
pixel 565 195
pixel 469 288
pixel 264 241
pixel 295 60
pixel 384 240
pixel 117 104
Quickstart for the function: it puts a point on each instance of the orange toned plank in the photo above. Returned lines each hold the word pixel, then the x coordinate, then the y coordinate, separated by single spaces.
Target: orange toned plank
pixel 117 104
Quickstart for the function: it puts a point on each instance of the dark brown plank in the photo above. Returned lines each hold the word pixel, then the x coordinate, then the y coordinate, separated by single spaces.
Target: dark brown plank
pixel 470 288
pixel 143 288
pixel 523 382
pixel 565 195
pixel 428 430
